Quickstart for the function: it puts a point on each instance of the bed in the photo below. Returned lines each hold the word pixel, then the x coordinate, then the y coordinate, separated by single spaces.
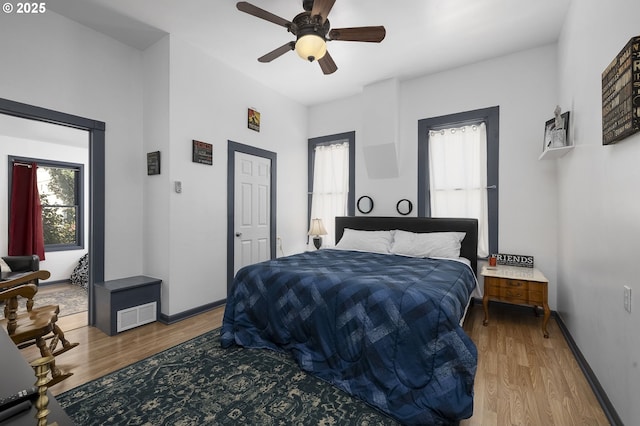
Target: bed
pixel 383 327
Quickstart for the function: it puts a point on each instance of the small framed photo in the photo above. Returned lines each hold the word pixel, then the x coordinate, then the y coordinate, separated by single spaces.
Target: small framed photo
pixel 556 132
pixel 202 153
pixel 253 121
pixel 153 163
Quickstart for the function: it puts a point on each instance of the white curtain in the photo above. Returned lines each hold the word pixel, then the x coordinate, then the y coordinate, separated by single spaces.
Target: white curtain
pixel 458 177
pixel 330 186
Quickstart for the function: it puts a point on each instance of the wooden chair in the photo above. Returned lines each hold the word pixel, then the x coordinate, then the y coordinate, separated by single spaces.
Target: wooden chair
pixel 36 325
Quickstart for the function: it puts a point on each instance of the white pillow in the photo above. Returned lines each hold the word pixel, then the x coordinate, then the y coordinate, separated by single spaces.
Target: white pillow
pixel 431 244
pixel 373 241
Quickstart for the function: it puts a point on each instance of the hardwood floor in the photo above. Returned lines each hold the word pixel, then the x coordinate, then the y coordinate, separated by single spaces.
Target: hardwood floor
pixel 522 378
pixel 99 354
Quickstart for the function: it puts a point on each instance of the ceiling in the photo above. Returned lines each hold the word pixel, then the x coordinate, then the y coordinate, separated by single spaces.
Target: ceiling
pixel 423 36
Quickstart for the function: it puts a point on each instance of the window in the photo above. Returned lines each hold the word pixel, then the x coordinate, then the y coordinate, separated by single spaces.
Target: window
pixel 60 187
pixel 458 170
pixel 331 180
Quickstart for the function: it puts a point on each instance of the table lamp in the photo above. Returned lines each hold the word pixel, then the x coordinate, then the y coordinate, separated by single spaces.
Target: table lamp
pixel 317 229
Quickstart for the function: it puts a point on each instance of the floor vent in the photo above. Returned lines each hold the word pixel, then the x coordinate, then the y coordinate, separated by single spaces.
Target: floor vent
pixel 136 316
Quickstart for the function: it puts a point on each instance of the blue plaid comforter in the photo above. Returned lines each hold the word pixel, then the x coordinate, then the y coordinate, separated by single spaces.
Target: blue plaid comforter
pixel 383 328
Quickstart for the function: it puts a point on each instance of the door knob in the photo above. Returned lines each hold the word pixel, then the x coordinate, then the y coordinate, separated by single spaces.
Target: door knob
pixel 238 234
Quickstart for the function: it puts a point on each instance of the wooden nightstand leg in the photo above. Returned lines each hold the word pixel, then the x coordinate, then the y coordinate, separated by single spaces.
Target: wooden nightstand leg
pixel 485 305
pixel 547 314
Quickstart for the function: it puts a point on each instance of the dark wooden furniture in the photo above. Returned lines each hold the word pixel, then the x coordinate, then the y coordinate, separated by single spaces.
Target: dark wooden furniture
pixel 34 325
pixel 521 286
pixel 126 296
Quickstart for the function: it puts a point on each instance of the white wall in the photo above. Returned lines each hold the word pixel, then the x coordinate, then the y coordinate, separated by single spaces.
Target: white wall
pixel 160 99
pixel 52 62
pixel 157 220
pixel 599 204
pixel 59 263
pixel 208 102
pixel 524 86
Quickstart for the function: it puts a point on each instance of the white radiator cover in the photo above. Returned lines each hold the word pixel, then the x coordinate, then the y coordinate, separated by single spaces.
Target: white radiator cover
pixel 136 316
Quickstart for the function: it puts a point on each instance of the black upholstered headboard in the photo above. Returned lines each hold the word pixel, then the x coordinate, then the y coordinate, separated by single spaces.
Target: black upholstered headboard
pixel 469 247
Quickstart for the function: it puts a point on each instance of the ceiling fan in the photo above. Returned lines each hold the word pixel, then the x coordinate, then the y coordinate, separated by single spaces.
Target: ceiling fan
pixel 311 29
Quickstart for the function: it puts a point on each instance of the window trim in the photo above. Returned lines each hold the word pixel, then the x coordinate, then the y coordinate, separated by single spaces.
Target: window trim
pixel 311 156
pixel 79 168
pixel 491 117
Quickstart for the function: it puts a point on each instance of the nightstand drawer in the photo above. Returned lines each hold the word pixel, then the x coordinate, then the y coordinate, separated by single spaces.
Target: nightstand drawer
pixel 508 283
pixel 514 291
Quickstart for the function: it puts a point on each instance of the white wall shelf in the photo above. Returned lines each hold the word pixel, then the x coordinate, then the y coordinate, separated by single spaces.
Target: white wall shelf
pixel 553 153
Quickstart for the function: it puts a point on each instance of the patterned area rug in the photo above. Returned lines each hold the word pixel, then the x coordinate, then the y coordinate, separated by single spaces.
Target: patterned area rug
pixel 71 299
pixel 199 383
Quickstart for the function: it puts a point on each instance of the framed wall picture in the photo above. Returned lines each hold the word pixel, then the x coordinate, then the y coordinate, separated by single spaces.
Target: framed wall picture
pixel 556 132
pixel 253 121
pixel 202 152
pixel 621 94
pixel 153 163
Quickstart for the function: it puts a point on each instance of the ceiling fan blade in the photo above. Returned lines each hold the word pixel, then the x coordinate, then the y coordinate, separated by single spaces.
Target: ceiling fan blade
pixel 276 53
pixel 327 65
pixel 368 34
pixel 322 8
pixel 246 7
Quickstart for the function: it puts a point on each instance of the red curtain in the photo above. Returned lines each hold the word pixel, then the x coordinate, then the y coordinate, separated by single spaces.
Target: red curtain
pixel 25 220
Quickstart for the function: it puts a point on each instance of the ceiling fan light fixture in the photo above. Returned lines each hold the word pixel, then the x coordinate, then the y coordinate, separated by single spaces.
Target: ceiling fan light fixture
pixel 311 47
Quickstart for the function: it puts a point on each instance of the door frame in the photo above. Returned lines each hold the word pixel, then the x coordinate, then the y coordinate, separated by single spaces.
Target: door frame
pixel 232 148
pixel 96 130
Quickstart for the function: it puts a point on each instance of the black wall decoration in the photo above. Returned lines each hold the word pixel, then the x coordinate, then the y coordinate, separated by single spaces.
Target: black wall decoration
pixel 404 207
pixel 365 204
pixel 153 163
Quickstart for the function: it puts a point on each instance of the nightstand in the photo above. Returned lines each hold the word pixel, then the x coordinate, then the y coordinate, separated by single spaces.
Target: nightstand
pixel 521 286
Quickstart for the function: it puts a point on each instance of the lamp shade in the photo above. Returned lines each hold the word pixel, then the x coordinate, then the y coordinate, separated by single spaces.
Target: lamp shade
pixel 317 228
pixel 311 47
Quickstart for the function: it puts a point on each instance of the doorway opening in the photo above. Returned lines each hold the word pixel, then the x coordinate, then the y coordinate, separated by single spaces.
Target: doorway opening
pixel 96 211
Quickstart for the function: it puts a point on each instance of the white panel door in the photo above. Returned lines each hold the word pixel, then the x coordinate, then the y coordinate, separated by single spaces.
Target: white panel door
pixel 252 210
